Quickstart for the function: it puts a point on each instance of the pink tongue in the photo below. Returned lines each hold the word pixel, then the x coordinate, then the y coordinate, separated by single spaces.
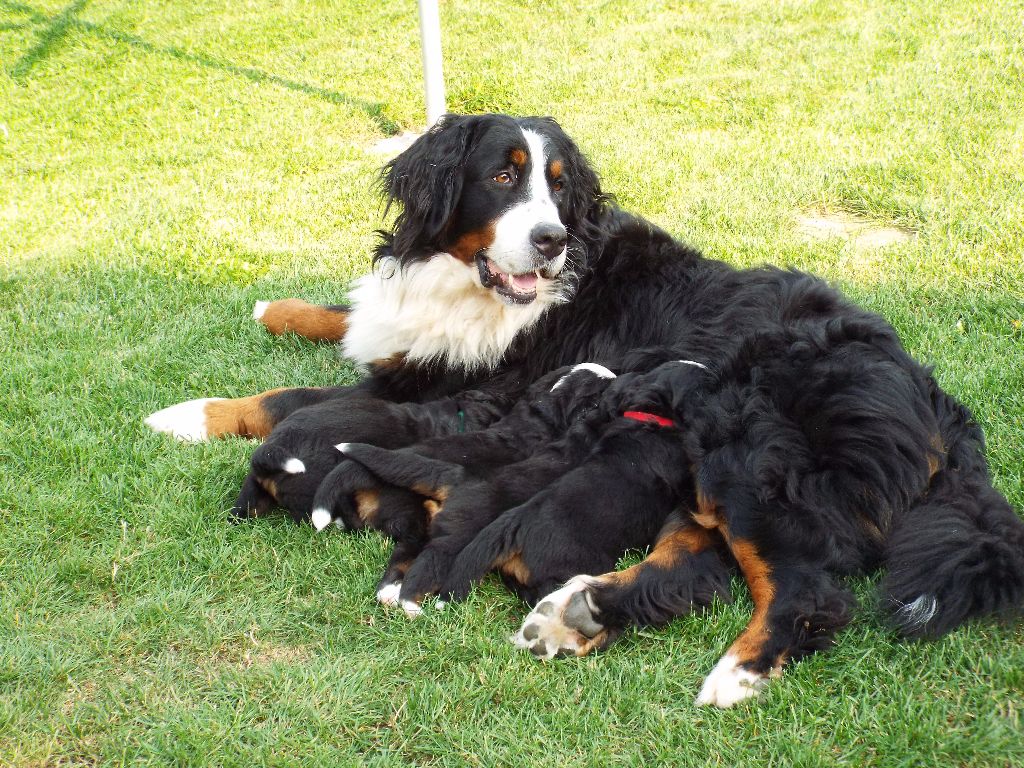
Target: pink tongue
pixel 524 283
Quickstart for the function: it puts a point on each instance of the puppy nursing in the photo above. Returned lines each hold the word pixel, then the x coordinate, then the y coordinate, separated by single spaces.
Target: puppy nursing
pixel 806 446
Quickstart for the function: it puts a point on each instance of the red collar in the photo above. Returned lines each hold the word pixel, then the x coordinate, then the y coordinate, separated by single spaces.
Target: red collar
pixel 649 418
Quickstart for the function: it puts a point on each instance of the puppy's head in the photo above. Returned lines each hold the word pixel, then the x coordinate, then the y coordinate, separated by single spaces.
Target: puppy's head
pixel 507 197
pixel 567 395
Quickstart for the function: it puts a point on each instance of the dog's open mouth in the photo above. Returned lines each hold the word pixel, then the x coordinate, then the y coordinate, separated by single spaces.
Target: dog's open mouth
pixel 519 289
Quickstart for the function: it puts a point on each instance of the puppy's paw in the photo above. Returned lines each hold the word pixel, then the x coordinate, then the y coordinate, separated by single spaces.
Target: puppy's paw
pixel 730 683
pixel 387 594
pixel 564 624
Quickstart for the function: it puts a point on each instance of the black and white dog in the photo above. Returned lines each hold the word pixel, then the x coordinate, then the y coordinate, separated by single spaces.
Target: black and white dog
pixel 506 261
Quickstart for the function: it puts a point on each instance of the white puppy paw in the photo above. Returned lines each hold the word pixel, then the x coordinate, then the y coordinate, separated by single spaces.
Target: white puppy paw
pixel 388 593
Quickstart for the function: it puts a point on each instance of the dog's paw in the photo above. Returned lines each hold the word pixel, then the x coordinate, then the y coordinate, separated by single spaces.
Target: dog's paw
pixel 564 624
pixel 730 683
pixel 387 594
pixel 186 421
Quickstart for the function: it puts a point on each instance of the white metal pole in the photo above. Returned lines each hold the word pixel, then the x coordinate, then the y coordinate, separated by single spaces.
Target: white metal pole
pixel 433 77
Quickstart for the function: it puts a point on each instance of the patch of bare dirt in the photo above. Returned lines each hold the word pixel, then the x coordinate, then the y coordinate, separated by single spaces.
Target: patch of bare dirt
pixel 863 234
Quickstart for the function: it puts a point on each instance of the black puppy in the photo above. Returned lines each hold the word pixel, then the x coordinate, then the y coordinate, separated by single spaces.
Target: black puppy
pixel 457 480
pixel 288 467
pixel 631 484
pixel 574 506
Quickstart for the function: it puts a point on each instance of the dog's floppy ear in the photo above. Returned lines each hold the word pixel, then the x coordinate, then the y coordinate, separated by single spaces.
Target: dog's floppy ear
pixel 427 180
pixel 584 201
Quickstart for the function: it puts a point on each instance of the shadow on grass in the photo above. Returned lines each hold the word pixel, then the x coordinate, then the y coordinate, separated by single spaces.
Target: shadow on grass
pixel 57 27
pixel 49 38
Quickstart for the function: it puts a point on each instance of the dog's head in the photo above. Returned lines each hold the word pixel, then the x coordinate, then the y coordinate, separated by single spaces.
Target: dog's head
pixel 507 197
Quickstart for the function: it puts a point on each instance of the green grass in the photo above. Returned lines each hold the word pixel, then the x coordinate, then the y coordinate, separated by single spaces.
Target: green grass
pixel 163 165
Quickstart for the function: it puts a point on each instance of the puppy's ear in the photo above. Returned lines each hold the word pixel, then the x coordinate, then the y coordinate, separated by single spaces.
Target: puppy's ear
pixel 426 180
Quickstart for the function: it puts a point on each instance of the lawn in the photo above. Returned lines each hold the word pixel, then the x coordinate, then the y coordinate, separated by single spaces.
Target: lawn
pixel 165 164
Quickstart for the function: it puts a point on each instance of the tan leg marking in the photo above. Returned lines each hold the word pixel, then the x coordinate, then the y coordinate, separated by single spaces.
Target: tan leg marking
pixel 367 505
pixel 309 320
pixel 514 567
pixel 732 681
pixel 936 456
pixel 757 573
pixel 707 514
pixel 243 416
pixel 674 543
pixel 268 485
pixel 432 508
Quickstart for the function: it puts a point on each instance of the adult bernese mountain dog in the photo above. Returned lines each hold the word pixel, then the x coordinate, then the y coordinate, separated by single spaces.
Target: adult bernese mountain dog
pixel 820 447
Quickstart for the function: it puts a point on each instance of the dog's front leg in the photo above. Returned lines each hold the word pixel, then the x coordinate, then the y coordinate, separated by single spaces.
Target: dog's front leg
pixel 312 321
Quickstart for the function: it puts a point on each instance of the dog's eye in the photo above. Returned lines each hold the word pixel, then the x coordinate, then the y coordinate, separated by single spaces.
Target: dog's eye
pixel 505 177
pixel 557 185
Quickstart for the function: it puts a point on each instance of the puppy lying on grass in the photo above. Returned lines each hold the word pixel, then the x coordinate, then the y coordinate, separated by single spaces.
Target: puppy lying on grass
pixel 300 453
pixel 456 485
pixel 575 505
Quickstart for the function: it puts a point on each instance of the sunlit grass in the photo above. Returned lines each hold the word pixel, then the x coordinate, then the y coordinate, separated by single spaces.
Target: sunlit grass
pixel 164 165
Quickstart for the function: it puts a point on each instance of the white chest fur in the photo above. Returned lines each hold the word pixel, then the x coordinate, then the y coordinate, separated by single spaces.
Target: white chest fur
pixel 435 311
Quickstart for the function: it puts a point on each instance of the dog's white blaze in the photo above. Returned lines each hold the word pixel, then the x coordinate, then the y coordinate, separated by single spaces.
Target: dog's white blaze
pixel 259 309
pixel 294 466
pixel 185 421
pixel 595 368
pixel 436 311
pixel 321 518
pixel 729 684
pixel 511 249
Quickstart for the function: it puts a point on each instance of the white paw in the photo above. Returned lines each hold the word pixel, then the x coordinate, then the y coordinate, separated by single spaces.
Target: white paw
pixel 321 518
pixel 259 309
pixel 411 607
pixel 185 421
pixel 562 623
pixel 388 594
pixel 729 684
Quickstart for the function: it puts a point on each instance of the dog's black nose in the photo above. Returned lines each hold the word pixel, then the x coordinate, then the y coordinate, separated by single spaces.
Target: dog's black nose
pixel 549 239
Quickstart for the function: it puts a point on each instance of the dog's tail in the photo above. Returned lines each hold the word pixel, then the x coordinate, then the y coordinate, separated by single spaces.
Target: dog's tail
pixel 492 548
pixel 959 550
pixel 406 469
